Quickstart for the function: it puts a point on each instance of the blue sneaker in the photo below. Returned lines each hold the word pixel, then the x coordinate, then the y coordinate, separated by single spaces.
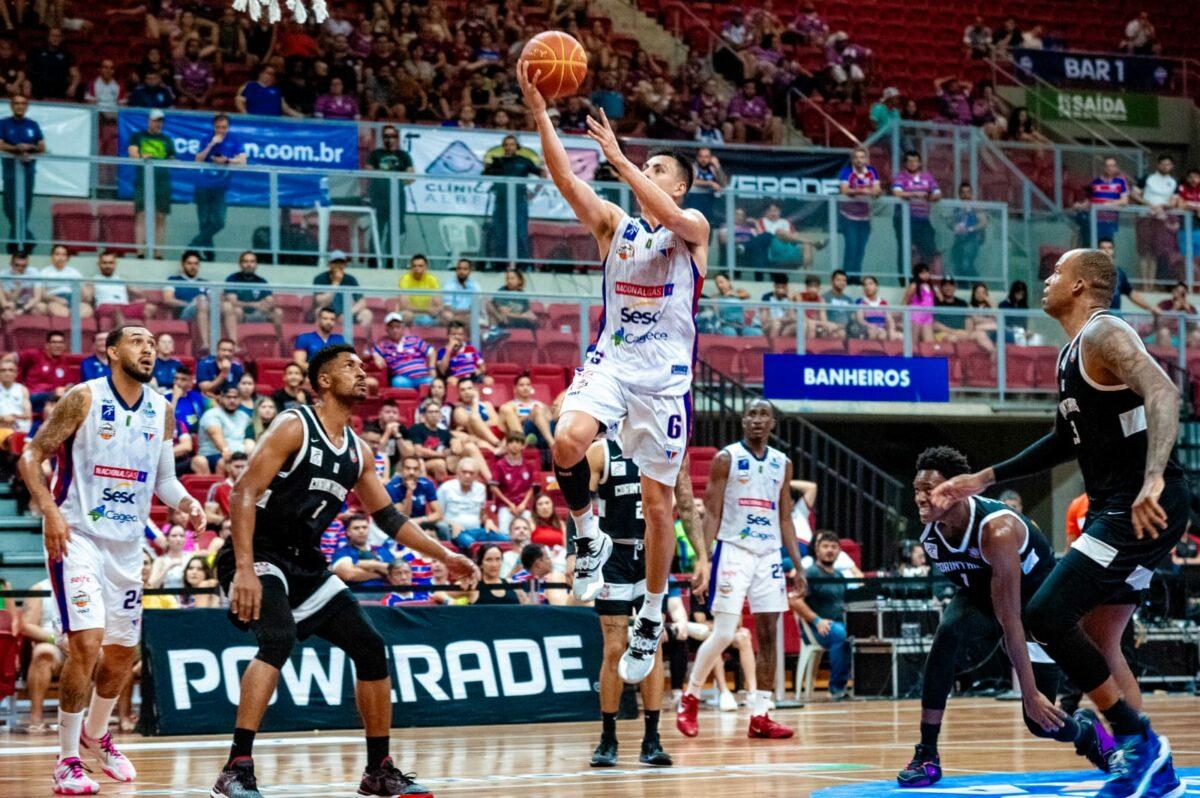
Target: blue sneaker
pixel 1165 783
pixel 1134 763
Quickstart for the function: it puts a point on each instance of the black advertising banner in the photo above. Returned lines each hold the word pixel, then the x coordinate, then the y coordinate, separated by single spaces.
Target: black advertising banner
pixel 450 666
pixel 783 172
pixel 1102 71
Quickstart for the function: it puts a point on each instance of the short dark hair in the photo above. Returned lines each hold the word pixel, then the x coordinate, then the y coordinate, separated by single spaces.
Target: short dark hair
pixel 303 371
pixel 946 460
pixel 456 325
pixel 911 154
pixel 1100 241
pixel 184 369
pixel 327 309
pixel 354 519
pixel 822 535
pixel 57 247
pixel 114 335
pixel 238 457
pixel 531 553
pixel 779 278
pixel 1165 157
pixel 524 375
pixel 836 272
pixel 468 261
pixel 322 359
pixel 417 257
pixel 682 162
pixel 515 435
pixel 55 333
pixel 189 253
pixel 226 341
pixel 218 118
pixel 812 279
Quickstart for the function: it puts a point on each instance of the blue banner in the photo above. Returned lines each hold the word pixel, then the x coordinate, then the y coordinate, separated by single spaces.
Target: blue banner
pixel 856 378
pixel 311 145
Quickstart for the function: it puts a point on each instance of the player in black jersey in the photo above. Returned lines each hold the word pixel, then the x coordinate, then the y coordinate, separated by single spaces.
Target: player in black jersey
pixel 997 559
pixel 277 579
pixel 1118 416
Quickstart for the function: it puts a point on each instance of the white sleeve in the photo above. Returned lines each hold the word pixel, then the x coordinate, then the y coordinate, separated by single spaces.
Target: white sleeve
pixel 167 486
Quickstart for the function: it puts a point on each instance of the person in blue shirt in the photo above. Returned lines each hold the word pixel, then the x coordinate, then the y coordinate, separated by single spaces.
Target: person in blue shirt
pixel 189 403
pixel 187 300
pixel 1124 288
pixel 416 497
pixel 220 371
pixel 309 343
pixel 96 364
pixel 212 185
pixel 262 97
pixel 152 92
pixel 22 137
pixel 358 563
pixel 165 365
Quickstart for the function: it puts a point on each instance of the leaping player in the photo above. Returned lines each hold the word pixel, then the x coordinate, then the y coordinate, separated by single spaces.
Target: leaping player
pixel 638 372
pixel 112 437
pixel 749 513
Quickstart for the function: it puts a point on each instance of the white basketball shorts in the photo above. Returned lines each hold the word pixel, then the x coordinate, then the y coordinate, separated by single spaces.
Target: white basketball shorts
pixel 653 429
pixel 98 585
pixel 738 573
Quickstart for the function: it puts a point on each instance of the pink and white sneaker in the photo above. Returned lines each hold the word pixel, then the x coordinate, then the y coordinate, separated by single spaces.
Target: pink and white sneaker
pixel 71 778
pixel 114 764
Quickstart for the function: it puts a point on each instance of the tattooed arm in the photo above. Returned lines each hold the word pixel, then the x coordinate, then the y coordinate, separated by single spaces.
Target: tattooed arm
pixel 685 504
pixel 1113 355
pixel 68 414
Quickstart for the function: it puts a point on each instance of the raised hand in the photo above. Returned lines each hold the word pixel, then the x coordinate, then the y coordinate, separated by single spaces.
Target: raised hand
pixel 533 98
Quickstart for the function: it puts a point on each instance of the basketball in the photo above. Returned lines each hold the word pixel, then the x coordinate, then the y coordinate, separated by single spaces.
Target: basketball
pixel 561 60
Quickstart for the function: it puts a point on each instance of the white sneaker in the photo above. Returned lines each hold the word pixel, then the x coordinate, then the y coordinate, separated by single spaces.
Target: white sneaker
pixel 71 778
pixel 590 556
pixel 114 764
pixel 638 660
pixel 727 703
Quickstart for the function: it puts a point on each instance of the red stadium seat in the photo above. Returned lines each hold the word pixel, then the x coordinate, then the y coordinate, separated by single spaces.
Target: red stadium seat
pixel 854 550
pixel 518 347
pixel 946 350
pixel 116 222
pixel 198 485
pixel 75 223
pixel 551 376
pixel 27 332
pixel 824 346
pixel 978 365
pixel 750 359
pixel 258 340
pixel 720 352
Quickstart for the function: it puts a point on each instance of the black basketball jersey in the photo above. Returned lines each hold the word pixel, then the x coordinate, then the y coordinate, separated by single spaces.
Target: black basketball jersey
pixel 964 565
pixel 1107 426
pixel 303 500
pixel 619 496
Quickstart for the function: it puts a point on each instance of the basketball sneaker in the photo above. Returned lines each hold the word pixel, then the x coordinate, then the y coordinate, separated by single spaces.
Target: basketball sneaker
pixel 605 755
pixel 638 660
pixel 70 778
pixel 114 764
pixel 763 728
pixel 1165 783
pixel 1096 744
pixel 726 702
pixel 923 770
pixel 1134 762
pixel 590 556
pixel 686 716
pixel 653 753
pixel 237 780
pixel 386 779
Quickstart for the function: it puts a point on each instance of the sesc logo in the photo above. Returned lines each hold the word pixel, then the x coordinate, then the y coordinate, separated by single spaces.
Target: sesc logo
pixel 758 520
pixel 119 494
pixel 639 316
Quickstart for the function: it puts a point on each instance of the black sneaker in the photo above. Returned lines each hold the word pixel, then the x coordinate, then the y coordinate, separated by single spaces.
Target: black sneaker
pixel 605 755
pixel 237 780
pixel 1095 743
pixel 653 753
pixel 386 779
pixel 923 770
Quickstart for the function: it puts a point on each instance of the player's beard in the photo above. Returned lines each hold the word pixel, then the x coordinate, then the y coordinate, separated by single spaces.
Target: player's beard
pixel 133 373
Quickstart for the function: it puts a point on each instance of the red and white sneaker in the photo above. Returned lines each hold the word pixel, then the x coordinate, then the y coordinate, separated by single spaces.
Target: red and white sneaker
pixel 685 717
pixel 763 728
pixel 114 764
pixel 71 778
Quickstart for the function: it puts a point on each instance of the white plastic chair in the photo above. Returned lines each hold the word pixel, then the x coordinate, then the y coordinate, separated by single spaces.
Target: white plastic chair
pixel 809 660
pixel 459 235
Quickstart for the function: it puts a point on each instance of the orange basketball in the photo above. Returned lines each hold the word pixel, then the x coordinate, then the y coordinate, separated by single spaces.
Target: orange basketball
pixel 561 60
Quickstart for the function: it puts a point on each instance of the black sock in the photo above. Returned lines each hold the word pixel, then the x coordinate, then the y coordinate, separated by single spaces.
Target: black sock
pixel 651 724
pixel 243 744
pixel 1125 722
pixel 377 751
pixel 608 722
pixel 929 735
pixel 573 482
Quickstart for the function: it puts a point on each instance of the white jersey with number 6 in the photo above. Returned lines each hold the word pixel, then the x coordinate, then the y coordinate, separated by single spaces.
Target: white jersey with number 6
pixel 750 514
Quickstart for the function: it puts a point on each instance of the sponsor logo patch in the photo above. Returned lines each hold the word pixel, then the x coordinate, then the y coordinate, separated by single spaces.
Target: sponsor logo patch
pixel 119 494
pixel 766 504
pixel 679 369
pixel 328 486
pixel 116 472
pixel 316 456
pixel 625 251
pixel 644 291
pixel 108 411
pixel 106 430
pixel 102 511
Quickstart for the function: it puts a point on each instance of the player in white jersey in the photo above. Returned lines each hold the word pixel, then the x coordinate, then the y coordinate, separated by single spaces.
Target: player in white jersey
pixel 749 503
pixel 638 374
pixel 112 439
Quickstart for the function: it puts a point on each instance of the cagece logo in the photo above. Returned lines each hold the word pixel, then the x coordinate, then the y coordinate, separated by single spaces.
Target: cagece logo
pixel 102 511
pixel 121 494
pixel 639 316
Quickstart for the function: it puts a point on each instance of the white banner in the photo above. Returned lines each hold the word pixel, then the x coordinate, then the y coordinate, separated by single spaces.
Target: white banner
pixel 68 131
pixel 456 153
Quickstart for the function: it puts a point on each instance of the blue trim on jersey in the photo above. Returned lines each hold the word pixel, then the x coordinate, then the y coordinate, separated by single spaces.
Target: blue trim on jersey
pixel 55 567
pixel 603 307
pixel 121 401
pixel 687 415
pixel 646 226
pixel 713 569
pixel 697 288
pixel 64 470
pixel 749 451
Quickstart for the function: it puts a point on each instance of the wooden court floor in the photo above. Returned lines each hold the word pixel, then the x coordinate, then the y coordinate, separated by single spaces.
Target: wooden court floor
pixel 837 744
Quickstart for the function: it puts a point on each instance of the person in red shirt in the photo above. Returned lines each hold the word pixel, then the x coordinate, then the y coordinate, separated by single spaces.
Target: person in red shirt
pixel 1188 199
pixel 512 481
pixel 216 505
pixel 46 372
pixel 549 529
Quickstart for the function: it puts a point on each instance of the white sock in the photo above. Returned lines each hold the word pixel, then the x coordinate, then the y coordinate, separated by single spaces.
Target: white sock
pixel 652 607
pixel 98 715
pixel 762 702
pixel 585 523
pixel 69 726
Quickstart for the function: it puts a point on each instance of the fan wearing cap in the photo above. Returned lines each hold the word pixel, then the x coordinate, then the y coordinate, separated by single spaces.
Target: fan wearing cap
pixel 151 145
pixel 337 276
pixel 408 359
pixel 886 112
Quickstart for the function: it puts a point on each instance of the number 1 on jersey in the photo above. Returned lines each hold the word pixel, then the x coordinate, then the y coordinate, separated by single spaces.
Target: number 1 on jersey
pixel 320 507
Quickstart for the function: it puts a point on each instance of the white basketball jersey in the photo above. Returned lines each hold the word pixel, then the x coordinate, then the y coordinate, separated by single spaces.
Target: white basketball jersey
pixel 750 515
pixel 647 335
pixel 105 475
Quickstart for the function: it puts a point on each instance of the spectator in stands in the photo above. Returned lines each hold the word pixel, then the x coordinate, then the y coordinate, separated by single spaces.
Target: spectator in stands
pixel 1013 500
pixel 108 290
pixel 920 189
pixel 424 307
pixel 1123 287
pixel 52 70
pixel 816 320
pixel 607 97
pixel 151 145
pixel 519 533
pixel 337 276
pixel 216 503
pixel 254 306
pixel 188 403
pixel 490 559
pixel 708 129
pixel 512 483
pixel 391 431
pixel 474 416
pixel 876 325
pixel 40 625
pixel 105 91
pixel 16 410
pixel 523 413
pixel 152 92
pixel 400 573
pixel 221 428
pixel 153 61
pixel 778 322
pixel 1021 127
pixel 247 394
pixel 914 564
pixel 359 563
pixel 836 296
pixel 56 296
pixel 860 180
pixel 219 371
pixel 1140 35
pixel 389 158
pixel 970 229
pixel 549 529
pixel 750 118
pixel 508 312
pixel 1168 327
pixel 725 314
pixel 977 39
pixel 416 496
pixel 1109 188
pixel 432 442
pixel 264 413
pixel 21 137
pixel 949 326
pixel 335 103
pixel 212 185
pixel 262 97
pixel 198 574
pixel 845 60
pixel 13 80
pixel 308 344
pixel 920 293
pixel 1018 296
pixel 463 500
pixel 822 608
pixel 167 569
pixel 407 359
pixel 460 293
pixel 987 111
pixel 1155 231
pixel 1032 38
pixel 46 372
pixel 194 79
pixel 1188 199
pixel 96 364
pixel 982 327
pixel 292 393
pixel 707 182
pixel 954 101
pixel 808 26
pixel 510 162
pixel 19 296
pixel 188 301
pixel 1004 39
pixel 785 245
pixel 886 112
pixel 458 359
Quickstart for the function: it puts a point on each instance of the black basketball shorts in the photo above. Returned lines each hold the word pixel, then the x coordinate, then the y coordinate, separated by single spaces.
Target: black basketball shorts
pixel 313 592
pixel 624 581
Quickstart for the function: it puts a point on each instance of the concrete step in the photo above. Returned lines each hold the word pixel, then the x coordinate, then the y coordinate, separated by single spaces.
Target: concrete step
pixel 20 540
pixel 8 507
